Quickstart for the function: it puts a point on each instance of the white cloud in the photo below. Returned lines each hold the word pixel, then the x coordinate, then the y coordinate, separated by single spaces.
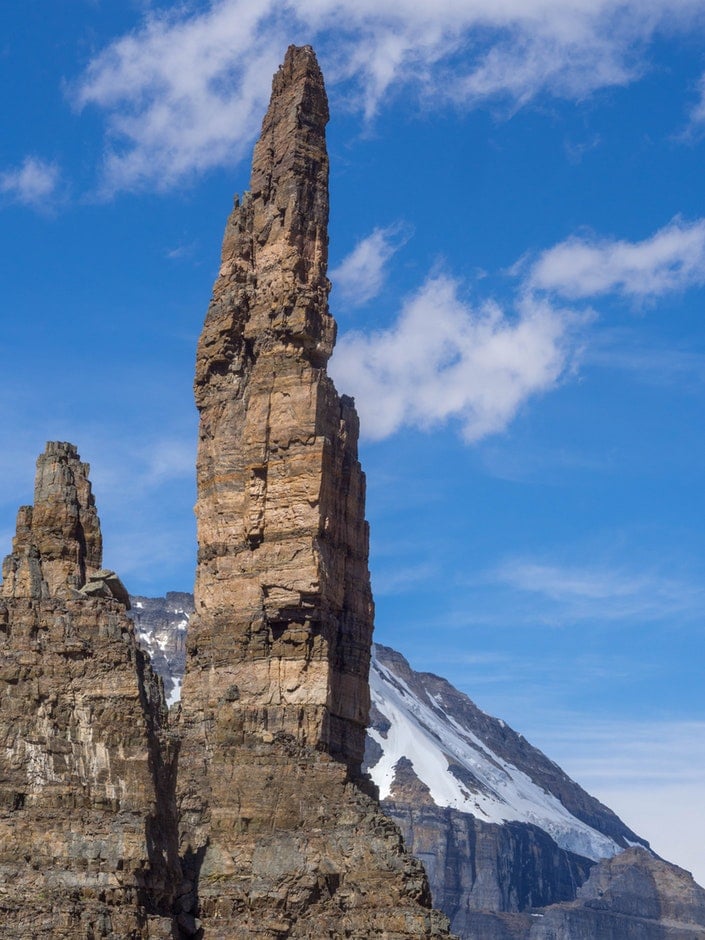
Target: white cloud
pixel 671 259
pixel 184 91
pixel 444 359
pixel 32 184
pixel 360 275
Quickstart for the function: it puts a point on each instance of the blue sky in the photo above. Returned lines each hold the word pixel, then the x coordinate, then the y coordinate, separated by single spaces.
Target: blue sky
pixel 518 258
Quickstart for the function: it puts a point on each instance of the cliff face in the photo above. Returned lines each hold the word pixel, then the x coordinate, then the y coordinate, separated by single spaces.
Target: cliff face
pixel 279 839
pixel 630 896
pixel 476 866
pixel 87 825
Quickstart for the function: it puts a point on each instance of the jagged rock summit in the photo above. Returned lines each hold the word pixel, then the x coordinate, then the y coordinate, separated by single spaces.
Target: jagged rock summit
pixel 58 546
pixel 279 837
pixel 87 813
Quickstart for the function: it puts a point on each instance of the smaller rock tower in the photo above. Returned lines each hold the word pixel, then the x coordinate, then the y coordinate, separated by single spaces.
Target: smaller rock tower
pixel 58 544
pixel 87 814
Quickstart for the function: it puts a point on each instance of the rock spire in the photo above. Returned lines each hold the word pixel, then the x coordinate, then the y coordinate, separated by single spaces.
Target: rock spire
pixel 58 547
pixel 282 584
pixel 58 544
pixel 278 837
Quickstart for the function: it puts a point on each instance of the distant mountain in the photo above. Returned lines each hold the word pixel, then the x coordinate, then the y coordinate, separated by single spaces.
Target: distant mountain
pixel 514 849
pixel 160 624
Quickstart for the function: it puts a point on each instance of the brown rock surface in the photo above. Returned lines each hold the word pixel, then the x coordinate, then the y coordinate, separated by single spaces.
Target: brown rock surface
pixel 87 815
pixel 279 839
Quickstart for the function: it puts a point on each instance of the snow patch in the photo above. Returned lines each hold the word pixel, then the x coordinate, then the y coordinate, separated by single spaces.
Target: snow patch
pixel 175 695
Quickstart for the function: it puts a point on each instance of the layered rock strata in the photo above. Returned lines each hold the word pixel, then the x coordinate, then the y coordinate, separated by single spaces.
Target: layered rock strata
pixel 278 837
pixel 474 866
pixel 87 812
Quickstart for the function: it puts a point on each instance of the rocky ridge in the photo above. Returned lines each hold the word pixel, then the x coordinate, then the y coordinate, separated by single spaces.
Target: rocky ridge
pixel 514 849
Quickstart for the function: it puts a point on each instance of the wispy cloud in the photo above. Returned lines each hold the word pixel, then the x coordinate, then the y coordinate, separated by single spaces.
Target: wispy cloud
pixel 626 349
pixel 360 275
pixel 183 92
pixel 697 114
pixel 402 579
pixel 652 774
pixel 671 259
pixel 33 183
pixel 601 592
pixel 444 359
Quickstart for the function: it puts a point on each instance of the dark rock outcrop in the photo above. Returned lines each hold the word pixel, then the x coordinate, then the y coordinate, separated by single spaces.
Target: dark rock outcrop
pixel 633 896
pixel 478 866
pixel 87 812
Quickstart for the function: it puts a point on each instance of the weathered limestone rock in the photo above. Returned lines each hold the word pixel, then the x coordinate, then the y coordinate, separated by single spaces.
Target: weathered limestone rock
pixel 279 839
pixel 282 577
pixel 87 814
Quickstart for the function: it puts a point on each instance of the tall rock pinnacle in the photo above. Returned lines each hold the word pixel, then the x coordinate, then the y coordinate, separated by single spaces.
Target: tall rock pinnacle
pixel 278 838
pixel 282 581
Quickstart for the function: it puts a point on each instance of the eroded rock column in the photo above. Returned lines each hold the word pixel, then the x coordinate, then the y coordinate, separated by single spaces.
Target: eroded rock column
pixel 283 603
pixel 278 838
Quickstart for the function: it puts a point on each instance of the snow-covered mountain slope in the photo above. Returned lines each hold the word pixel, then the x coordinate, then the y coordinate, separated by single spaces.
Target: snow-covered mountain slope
pixel 476 764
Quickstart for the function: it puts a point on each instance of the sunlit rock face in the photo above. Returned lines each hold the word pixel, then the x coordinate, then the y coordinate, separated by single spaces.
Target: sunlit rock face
pixel 278 838
pixel 87 813
pixel 283 602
